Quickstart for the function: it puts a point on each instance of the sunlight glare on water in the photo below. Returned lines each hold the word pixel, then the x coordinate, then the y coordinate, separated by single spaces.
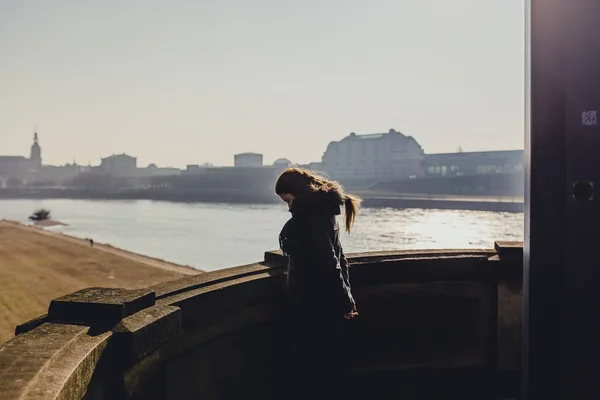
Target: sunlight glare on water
pixel 390 229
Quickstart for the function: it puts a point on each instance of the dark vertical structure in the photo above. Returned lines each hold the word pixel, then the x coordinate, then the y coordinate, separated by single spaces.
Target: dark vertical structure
pixel 562 217
pixel 36 153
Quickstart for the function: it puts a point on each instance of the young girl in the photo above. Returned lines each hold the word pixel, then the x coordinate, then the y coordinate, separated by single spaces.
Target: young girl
pixel 318 280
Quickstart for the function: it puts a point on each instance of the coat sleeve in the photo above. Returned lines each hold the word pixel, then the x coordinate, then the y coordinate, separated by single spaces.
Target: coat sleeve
pixel 345 269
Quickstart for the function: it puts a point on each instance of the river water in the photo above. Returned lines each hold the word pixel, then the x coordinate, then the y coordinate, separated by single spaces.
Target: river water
pixel 216 236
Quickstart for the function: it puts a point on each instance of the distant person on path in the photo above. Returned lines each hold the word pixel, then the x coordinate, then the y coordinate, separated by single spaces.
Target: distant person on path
pixel 318 282
pixel 91 242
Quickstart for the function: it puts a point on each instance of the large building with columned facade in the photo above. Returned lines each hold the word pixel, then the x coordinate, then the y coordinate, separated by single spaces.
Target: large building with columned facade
pixel 372 157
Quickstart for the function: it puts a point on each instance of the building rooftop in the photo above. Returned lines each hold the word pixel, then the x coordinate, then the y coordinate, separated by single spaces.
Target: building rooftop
pixel 281 161
pixel 13 158
pixel 480 153
pixel 371 135
pixel 119 156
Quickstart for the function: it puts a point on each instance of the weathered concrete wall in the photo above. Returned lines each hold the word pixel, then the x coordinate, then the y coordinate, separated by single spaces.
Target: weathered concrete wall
pixel 218 335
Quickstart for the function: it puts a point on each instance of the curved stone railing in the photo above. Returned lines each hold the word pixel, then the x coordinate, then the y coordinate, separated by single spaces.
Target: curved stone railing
pixel 451 316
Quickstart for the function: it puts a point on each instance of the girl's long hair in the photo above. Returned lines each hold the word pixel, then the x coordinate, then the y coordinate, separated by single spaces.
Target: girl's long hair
pixel 296 180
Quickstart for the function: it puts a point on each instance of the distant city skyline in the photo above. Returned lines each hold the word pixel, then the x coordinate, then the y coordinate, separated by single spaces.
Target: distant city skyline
pixel 203 81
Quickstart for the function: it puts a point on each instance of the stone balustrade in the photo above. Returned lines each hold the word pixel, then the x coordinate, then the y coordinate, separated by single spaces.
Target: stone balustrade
pixel 430 321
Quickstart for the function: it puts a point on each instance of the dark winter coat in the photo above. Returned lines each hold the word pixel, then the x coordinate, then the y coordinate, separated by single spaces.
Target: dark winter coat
pixel 318 276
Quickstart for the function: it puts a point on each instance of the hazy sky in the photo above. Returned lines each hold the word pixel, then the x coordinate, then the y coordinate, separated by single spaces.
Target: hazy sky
pixel 191 81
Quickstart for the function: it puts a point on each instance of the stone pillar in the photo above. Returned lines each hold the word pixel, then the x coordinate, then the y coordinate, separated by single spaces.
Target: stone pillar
pixel 562 207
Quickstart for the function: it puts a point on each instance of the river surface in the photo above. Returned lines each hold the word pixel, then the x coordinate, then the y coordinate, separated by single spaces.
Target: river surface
pixel 216 236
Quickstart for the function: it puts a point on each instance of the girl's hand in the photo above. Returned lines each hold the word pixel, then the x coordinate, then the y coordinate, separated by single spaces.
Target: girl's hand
pixel 351 314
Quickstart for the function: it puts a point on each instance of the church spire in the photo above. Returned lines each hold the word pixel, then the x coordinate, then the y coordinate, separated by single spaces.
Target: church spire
pixel 36 153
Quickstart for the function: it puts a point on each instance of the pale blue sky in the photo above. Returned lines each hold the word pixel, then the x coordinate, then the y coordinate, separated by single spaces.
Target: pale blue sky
pixel 183 82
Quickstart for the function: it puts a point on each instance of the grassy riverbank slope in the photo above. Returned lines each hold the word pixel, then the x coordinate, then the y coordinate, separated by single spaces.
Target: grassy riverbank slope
pixel 37 266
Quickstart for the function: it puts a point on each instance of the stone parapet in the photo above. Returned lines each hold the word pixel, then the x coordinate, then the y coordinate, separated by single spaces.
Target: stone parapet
pixel 218 335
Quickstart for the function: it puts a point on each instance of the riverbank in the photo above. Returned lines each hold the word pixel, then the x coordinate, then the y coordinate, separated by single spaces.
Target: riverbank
pixel 45 223
pixel 442 202
pixel 374 199
pixel 37 266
